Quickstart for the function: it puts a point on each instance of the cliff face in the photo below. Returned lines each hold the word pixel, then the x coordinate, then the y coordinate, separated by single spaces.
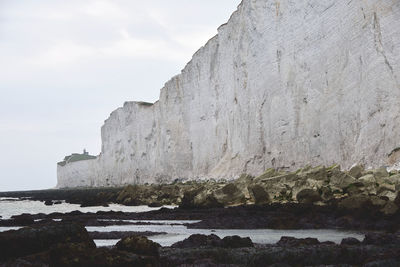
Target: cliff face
pixel 283 84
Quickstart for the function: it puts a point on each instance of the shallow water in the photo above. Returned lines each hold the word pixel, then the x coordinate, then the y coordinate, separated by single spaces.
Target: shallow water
pixel 3 229
pixel 9 208
pixel 179 232
pixel 176 230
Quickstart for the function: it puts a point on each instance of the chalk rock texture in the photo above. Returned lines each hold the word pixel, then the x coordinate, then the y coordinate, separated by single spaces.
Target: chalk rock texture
pixel 283 84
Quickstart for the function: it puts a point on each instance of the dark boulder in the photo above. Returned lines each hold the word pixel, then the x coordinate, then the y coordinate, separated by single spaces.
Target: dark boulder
pixel 138 245
pixel 23 220
pixel 199 240
pixel 155 204
pixel 30 240
pixel 350 241
pixel 236 242
pixel 287 241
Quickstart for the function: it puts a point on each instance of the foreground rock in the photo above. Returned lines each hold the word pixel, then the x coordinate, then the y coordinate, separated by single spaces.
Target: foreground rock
pixel 64 244
pixel 75 255
pixel 31 240
pixel 198 240
pixel 377 249
pixel 288 251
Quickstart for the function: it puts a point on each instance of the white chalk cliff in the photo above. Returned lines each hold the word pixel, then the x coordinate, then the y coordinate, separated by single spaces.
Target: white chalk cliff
pixel 283 84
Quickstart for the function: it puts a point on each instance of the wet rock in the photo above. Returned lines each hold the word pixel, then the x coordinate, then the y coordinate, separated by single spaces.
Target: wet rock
pixel 350 241
pixel 23 220
pixel 48 202
pixel 138 245
pixel 287 241
pixel 236 242
pixel 199 240
pixel 155 204
pixel 94 203
pixel 308 196
pixel 31 240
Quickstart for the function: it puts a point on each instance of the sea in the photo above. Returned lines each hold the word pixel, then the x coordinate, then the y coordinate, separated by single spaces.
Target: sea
pixel 176 230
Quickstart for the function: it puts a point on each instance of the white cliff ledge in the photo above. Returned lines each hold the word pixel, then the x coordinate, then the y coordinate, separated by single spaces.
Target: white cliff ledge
pixel 283 84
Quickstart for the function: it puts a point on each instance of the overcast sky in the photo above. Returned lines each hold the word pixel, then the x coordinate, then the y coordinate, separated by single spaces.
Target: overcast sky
pixel 66 64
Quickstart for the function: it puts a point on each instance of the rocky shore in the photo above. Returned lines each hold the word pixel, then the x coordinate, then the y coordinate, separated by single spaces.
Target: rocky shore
pixel 69 244
pixel 319 185
pixel 310 198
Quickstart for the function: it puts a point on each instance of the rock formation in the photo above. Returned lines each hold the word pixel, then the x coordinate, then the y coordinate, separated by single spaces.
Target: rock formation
pixel 283 84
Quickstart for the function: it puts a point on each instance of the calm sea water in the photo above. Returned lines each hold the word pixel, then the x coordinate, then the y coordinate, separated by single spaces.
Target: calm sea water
pixel 10 207
pixel 176 229
pixel 180 232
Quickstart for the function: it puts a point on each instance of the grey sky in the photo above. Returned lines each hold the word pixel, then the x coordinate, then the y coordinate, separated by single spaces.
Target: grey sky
pixel 66 64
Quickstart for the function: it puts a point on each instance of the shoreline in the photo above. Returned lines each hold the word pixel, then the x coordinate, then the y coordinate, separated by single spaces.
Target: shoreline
pixel 358 200
pixel 379 246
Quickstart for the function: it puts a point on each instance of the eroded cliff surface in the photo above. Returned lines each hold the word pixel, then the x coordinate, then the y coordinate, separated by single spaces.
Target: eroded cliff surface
pixel 283 84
